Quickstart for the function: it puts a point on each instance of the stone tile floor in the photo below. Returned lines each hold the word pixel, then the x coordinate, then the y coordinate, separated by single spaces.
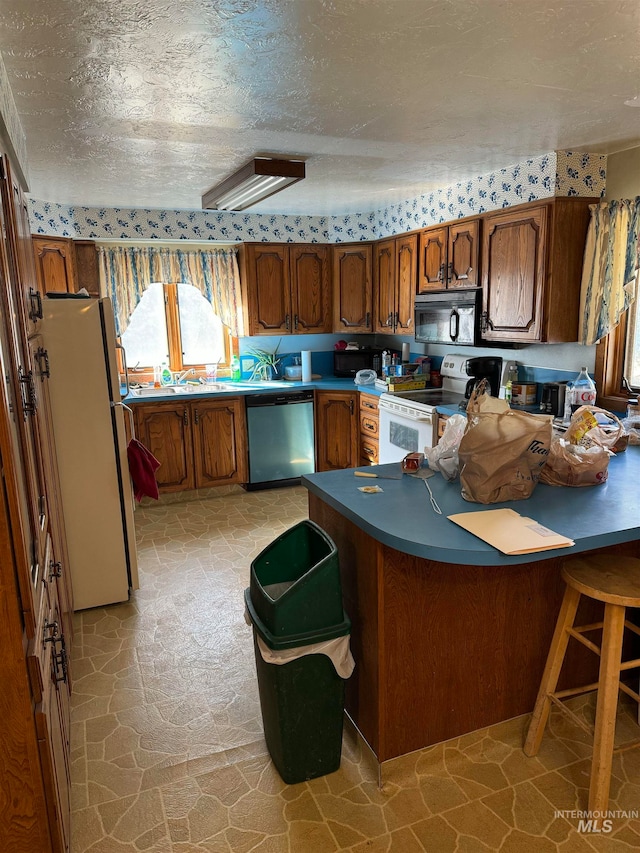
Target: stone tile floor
pixel 167 747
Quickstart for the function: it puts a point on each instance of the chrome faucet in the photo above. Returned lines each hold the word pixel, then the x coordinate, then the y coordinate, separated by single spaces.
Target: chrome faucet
pixel 177 379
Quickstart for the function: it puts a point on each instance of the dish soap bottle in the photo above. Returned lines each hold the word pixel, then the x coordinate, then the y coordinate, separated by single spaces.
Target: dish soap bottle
pixel 166 377
pixel 235 368
pixel 583 392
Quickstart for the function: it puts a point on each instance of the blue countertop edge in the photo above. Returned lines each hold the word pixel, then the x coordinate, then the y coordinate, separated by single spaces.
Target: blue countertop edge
pixel 402 517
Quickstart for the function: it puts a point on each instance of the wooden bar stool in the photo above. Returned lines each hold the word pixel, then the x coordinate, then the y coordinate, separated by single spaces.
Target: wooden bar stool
pixel 616 582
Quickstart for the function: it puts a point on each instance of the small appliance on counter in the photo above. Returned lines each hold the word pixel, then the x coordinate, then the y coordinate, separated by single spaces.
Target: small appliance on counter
pixel 484 367
pixel 552 398
pixel 347 362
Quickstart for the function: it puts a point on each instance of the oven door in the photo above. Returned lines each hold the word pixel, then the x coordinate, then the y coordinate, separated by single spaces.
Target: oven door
pixel 404 429
pixel 448 317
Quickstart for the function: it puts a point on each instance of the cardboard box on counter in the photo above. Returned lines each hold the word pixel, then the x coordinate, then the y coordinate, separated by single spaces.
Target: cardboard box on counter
pixel 401 383
pixel 524 393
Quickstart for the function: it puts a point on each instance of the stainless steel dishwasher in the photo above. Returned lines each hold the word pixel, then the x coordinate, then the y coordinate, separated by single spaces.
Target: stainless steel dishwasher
pixel 281 438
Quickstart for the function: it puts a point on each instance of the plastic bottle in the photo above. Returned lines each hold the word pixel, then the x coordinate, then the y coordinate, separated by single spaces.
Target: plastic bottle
pixel 386 362
pixel 583 391
pixel 157 376
pixel 166 375
pixel 235 368
pixel 512 376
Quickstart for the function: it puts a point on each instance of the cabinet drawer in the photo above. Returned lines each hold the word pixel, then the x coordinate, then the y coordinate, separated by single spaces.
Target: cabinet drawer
pixel 442 420
pixel 368 451
pixel 369 424
pixel 369 403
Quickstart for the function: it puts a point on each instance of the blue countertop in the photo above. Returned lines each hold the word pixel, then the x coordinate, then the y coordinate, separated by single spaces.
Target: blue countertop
pixel 402 517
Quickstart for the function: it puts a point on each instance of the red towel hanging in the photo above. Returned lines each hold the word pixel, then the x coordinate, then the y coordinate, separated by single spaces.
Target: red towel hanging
pixel 142 467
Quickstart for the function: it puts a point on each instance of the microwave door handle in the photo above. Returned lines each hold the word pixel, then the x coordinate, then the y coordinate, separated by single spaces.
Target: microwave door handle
pixel 454 325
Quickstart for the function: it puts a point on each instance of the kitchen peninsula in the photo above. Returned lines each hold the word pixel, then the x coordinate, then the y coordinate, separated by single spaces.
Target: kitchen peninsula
pixel 449 635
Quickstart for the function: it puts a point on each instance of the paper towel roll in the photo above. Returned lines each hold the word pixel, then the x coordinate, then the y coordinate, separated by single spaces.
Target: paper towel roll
pixel 306 365
pixel 406 355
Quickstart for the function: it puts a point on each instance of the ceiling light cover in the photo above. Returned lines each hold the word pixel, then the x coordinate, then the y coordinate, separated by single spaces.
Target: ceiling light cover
pixel 254 182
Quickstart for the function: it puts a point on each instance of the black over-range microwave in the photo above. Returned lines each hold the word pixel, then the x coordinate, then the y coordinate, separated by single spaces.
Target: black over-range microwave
pixel 348 362
pixel 448 316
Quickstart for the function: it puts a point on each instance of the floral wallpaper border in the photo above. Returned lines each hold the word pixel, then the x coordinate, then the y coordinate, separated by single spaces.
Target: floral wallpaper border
pixel 558 173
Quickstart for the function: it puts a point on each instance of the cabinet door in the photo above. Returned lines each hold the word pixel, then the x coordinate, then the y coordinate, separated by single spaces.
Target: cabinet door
pixel 165 428
pixel 219 442
pixel 406 280
pixel 432 263
pixel 337 429
pixel 513 262
pixel 20 250
pixel 55 264
pixel 87 272
pixel 352 288
pixel 384 285
pixel 310 274
pixel 266 270
pixel 463 254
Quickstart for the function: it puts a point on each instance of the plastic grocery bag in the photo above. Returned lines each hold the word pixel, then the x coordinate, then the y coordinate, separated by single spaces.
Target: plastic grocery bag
pixel 502 451
pixel 444 456
pixel 581 457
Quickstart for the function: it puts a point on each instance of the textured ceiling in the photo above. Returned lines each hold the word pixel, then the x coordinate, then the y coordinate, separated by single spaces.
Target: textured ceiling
pixel 149 103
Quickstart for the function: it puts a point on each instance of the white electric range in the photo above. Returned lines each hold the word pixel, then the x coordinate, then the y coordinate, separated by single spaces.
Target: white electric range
pixel 408 419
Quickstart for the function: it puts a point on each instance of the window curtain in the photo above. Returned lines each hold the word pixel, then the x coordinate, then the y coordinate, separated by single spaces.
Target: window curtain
pixel 127 271
pixel 611 267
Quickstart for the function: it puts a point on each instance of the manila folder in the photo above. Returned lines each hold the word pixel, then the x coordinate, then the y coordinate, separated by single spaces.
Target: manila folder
pixel 510 532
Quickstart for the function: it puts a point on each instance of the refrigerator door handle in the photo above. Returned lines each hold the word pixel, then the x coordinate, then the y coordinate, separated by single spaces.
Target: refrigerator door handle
pixel 124 364
pixel 131 420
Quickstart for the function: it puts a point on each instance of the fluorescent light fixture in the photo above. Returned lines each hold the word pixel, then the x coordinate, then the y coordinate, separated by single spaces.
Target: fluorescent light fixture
pixel 254 182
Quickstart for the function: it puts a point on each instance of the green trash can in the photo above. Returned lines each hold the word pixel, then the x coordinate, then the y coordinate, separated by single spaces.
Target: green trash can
pixel 295 582
pixel 302 701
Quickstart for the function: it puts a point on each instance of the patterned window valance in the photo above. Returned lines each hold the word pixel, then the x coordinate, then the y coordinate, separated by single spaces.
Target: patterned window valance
pixel 127 271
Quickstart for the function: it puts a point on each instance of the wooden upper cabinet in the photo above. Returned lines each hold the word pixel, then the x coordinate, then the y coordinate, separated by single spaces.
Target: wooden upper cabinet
pixel 531 271
pixel 310 272
pixel 352 288
pixel 265 271
pixel 86 264
pixel 287 288
pixel 394 284
pixel 449 255
pixel 55 264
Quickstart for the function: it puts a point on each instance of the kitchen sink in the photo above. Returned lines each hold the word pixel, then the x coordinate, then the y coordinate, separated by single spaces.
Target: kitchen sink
pixel 171 390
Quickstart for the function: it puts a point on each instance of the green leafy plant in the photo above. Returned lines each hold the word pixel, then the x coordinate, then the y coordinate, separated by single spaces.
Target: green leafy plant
pixel 266 362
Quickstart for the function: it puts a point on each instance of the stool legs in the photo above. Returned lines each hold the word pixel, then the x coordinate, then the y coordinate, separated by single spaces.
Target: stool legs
pixel 608 686
pixel 552 670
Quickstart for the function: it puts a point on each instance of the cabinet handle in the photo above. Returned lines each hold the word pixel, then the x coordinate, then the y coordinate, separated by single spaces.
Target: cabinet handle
pixel 295 321
pixel 351 406
pixel 367 319
pixel 55 570
pixel 389 319
pixel 368 451
pixel 441 272
pixel 484 321
pixel 450 272
pixel 370 426
pixel 35 305
pixel 30 402
pixel 52 628
pixel 60 661
pixel 196 417
pixel 42 356
pixel 287 323
pixel 185 417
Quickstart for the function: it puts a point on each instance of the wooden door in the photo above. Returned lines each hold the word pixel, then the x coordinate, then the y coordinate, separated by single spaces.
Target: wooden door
pixel 310 275
pixel 219 442
pixel 406 282
pixel 384 286
pixel 55 264
pixel 337 429
pixel 463 254
pixel 352 288
pixel 513 263
pixel 432 262
pixel 268 290
pixel 165 429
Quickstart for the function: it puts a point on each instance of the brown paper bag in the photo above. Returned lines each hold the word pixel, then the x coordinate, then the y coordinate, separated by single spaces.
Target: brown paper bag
pixel 574 465
pixel 502 451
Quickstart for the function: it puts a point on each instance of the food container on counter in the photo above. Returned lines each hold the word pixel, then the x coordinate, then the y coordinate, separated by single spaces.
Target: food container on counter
pixel 524 393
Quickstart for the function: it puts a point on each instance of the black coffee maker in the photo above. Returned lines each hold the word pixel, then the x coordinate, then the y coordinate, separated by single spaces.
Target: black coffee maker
pixel 487 367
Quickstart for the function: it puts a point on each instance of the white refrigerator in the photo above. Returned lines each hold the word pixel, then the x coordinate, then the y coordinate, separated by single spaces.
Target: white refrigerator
pixel 88 423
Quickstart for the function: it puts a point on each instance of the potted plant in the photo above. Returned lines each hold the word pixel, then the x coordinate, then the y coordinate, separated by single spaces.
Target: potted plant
pixel 266 363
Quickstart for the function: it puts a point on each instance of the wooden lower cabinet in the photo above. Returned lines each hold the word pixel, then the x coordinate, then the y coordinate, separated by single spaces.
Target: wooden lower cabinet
pixel 369 429
pixel 198 443
pixel 337 430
